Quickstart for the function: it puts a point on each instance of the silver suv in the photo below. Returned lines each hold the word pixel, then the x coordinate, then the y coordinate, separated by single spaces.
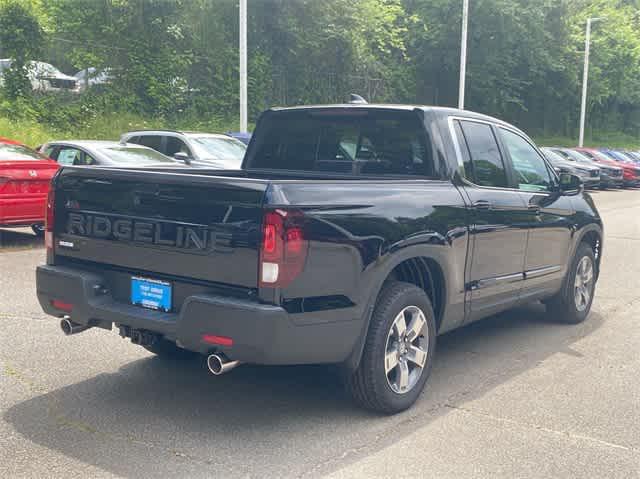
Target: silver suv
pixel 205 150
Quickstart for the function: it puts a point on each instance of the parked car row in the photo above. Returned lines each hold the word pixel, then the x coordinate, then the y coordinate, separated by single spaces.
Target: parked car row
pixel 597 168
pixel 25 173
pixel 151 148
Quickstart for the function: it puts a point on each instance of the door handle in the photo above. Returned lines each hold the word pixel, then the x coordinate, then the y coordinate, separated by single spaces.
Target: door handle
pixel 482 205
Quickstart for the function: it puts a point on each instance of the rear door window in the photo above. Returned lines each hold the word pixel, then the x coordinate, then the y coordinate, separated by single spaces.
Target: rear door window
pixel 152 141
pixel 69 156
pixel 365 142
pixel 487 166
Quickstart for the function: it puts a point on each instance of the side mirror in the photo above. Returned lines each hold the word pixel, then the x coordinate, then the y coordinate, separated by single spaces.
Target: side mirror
pixel 570 184
pixel 182 156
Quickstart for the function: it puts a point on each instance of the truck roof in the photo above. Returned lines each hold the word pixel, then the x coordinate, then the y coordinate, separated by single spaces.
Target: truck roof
pixel 437 110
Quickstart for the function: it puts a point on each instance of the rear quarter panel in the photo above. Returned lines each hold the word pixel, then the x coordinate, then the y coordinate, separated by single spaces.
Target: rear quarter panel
pixel 359 231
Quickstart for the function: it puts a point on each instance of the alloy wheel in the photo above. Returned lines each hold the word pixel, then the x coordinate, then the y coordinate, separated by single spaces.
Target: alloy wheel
pixel 583 285
pixel 406 349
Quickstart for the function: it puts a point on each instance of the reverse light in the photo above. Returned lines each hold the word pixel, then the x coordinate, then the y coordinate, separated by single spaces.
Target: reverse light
pixel 270 272
pixel 283 250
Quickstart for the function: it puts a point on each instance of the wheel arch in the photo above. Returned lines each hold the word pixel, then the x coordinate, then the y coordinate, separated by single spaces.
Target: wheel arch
pixel 426 271
pixel 593 236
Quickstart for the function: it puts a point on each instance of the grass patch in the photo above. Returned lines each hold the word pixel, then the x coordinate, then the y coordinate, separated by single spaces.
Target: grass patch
pixel 104 127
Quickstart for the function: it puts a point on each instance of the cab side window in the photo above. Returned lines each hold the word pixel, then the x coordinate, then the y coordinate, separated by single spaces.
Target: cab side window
pixel 486 167
pixel 531 172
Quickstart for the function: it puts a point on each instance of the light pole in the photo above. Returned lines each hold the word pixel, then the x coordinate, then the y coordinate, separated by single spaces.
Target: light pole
pixel 243 66
pixel 585 79
pixel 463 53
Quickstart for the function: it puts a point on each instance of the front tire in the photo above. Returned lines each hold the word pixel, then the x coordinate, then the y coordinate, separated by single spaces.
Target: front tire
pixel 398 352
pixel 573 303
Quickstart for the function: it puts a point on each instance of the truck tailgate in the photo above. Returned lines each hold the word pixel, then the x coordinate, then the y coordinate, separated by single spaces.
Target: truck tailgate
pixel 190 225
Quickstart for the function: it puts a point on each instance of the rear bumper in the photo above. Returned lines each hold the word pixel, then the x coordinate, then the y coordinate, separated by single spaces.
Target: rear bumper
pixel 261 333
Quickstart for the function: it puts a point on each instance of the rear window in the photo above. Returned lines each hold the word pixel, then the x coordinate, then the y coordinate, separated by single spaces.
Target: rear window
pixel 10 152
pixel 134 156
pixel 354 142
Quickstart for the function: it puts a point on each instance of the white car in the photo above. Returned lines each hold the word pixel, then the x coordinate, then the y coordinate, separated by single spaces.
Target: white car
pixel 203 150
pixel 91 77
pixel 44 77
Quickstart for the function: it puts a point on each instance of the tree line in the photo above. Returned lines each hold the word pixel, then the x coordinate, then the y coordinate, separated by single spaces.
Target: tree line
pixel 179 58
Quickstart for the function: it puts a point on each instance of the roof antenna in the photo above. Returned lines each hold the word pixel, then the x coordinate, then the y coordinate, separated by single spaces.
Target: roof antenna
pixel 357 99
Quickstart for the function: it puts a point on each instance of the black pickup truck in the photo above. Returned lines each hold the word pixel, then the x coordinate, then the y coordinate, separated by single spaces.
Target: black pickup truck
pixel 353 235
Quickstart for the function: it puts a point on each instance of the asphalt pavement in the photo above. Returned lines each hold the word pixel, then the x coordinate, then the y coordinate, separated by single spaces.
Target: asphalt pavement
pixel 512 396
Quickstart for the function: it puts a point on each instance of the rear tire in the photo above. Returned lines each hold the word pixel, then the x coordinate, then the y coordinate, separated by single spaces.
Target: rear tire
pixel 573 303
pixel 398 352
pixel 168 350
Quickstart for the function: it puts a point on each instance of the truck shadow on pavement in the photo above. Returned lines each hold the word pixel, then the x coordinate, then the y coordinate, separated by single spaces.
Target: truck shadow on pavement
pixel 21 238
pixel 283 416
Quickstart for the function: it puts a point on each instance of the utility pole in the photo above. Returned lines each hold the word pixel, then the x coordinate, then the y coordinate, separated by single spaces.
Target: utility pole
pixel 243 66
pixel 585 79
pixel 463 53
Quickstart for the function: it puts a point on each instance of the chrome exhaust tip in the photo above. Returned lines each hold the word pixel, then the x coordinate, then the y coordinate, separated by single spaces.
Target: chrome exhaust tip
pixel 69 327
pixel 219 365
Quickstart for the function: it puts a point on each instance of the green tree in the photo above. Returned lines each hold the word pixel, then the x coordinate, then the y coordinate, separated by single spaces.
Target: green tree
pixel 22 40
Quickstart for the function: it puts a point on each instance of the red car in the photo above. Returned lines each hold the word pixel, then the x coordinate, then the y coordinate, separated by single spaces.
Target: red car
pixel 24 183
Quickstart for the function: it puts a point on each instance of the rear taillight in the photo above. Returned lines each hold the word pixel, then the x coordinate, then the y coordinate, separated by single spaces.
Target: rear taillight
pixel 49 219
pixel 283 250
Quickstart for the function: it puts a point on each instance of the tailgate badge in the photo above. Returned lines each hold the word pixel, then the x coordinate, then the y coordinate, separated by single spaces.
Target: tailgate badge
pixel 33 173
